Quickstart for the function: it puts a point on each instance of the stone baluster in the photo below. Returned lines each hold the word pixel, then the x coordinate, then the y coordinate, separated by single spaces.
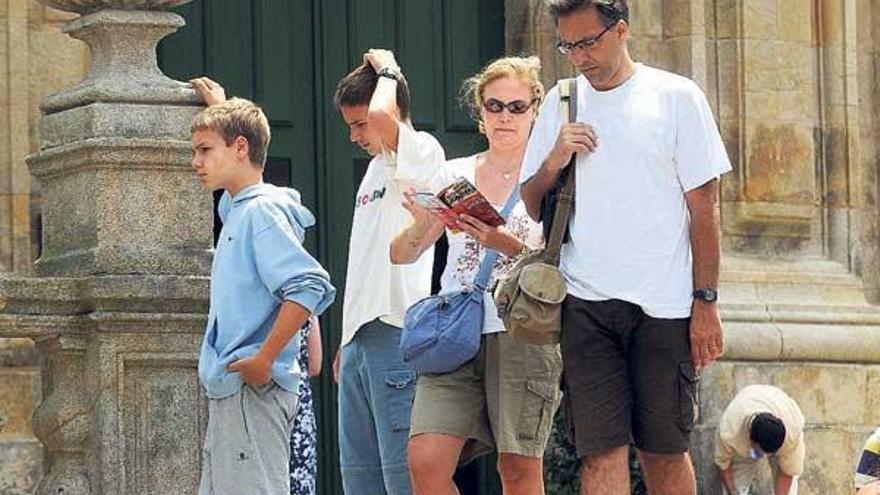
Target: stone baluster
pixel 62 420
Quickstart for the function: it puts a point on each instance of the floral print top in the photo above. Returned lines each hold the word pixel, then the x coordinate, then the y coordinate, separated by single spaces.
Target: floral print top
pixel 465 253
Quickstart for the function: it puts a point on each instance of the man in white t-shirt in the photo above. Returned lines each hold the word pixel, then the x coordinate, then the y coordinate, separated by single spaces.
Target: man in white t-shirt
pixel 376 387
pixel 642 260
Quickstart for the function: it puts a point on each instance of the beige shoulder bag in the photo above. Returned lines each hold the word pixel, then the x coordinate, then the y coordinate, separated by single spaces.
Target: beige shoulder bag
pixel 529 298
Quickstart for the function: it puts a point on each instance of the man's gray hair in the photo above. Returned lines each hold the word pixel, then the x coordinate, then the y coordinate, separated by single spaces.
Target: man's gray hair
pixel 610 11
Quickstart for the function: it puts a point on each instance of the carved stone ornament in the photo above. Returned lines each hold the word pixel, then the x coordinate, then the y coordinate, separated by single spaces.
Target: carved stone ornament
pixel 89 6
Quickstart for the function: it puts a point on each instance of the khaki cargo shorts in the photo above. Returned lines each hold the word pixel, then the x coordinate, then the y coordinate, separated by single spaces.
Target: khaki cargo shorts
pixel 504 398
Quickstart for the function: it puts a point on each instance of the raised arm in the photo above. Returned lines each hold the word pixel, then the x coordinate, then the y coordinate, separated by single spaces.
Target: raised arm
pixel 383 113
pixel 210 91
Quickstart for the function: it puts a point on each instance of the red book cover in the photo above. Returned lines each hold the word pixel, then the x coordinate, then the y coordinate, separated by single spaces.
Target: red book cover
pixel 460 197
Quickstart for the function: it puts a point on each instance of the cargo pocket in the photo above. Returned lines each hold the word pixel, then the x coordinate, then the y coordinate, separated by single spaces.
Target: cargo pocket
pixel 688 396
pixel 537 409
pixel 399 394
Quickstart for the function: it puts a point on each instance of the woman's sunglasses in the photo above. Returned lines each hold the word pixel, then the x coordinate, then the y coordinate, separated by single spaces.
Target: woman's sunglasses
pixel 493 105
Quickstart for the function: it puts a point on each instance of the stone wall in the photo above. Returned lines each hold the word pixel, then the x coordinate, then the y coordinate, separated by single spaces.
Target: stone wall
pixel 36 59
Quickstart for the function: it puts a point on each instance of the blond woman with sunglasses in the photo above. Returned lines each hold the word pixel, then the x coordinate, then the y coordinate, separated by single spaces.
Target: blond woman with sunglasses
pixel 505 398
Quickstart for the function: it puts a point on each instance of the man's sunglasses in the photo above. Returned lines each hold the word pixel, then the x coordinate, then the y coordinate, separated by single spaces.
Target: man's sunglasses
pixel 493 105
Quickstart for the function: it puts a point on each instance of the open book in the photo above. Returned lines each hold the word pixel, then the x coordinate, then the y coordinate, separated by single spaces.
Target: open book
pixel 459 197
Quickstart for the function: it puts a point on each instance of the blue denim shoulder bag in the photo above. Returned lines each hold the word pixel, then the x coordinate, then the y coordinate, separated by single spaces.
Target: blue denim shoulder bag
pixel 442 332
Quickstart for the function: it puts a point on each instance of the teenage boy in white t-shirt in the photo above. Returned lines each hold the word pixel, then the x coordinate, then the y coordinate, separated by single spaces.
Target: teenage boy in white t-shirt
pixel 376 387
pixel 642 263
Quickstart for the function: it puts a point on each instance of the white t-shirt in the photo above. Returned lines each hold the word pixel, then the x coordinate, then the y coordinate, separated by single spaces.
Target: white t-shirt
pixel 465 253
pixel 629 229
pixel 375 288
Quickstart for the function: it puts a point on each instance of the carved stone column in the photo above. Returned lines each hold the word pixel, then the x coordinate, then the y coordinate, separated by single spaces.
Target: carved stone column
pixel 118 301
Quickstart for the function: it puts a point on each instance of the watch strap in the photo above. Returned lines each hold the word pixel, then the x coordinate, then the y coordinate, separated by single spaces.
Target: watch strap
pixel 389 73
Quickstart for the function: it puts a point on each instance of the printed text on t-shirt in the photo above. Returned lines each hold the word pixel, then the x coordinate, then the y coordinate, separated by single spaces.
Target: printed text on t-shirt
pixel 365 199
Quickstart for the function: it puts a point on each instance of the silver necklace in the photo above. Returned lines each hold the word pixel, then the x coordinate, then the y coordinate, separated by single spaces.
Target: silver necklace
pixel 506 174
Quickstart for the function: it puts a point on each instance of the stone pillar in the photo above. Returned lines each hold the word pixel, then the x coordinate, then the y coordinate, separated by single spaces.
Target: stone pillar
pixel 118 301
pixel 529 30
pixel 14 181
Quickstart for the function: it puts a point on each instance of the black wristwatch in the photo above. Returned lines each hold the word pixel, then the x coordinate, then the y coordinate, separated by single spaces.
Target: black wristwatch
pixel 707 294
pixel 389 73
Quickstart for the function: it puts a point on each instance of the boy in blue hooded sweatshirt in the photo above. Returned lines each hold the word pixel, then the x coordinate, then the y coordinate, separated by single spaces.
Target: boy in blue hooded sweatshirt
pixel 264 287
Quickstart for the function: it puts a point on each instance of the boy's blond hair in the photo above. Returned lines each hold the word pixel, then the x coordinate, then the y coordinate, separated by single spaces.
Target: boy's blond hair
pixel 237 117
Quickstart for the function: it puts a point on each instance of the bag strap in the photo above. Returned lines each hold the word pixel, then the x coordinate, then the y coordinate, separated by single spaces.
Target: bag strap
pixel 568 100
pixel 491 255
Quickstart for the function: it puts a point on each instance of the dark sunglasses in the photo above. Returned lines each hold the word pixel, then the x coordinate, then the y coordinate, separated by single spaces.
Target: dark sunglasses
pixel 493 105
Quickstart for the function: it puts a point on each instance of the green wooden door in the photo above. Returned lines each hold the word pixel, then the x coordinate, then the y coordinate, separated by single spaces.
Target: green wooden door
pixel 288 55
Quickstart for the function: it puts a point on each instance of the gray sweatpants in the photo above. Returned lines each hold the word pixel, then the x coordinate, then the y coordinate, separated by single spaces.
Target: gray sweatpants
pixel 247 443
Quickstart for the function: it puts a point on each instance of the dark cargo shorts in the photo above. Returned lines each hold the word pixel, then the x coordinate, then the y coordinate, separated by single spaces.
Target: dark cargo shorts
pixel 628 378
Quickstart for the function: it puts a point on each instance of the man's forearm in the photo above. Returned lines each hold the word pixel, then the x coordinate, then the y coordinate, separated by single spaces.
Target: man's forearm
pixel 534 190
pixel 291 317
pixel 705 235
pixel 382 112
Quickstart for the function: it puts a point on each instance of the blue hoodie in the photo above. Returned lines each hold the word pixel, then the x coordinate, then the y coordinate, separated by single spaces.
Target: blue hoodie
pixel 258 263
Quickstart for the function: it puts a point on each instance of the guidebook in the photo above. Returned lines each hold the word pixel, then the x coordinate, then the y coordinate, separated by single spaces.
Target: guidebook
pixel 459 197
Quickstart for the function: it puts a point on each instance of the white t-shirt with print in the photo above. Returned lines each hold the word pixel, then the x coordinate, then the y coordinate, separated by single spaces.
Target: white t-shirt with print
pixel 375 288
pixel 465 253
pixel 630 227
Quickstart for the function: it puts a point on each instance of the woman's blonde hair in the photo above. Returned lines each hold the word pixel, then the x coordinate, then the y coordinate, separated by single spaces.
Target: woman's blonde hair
pixel 526 69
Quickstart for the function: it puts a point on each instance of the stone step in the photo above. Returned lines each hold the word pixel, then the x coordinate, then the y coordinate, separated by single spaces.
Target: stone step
pixel 740 269
pixel 815 295
pixel 802 313
pixel 19 394
pixel 742 263
pixel 809 286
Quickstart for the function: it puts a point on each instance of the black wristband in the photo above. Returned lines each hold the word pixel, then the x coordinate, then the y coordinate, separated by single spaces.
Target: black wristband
pixel 389 73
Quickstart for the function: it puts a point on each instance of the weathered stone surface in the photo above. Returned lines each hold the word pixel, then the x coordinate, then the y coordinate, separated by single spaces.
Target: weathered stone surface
pixel 17 353
pixel 88 6
pixel 89 229
pixel 124 65
pixel 20 470
pixel 102 120
pixel 19 393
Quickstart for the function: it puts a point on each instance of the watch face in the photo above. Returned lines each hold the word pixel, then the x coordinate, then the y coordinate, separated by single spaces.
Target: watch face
pixel 709 295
